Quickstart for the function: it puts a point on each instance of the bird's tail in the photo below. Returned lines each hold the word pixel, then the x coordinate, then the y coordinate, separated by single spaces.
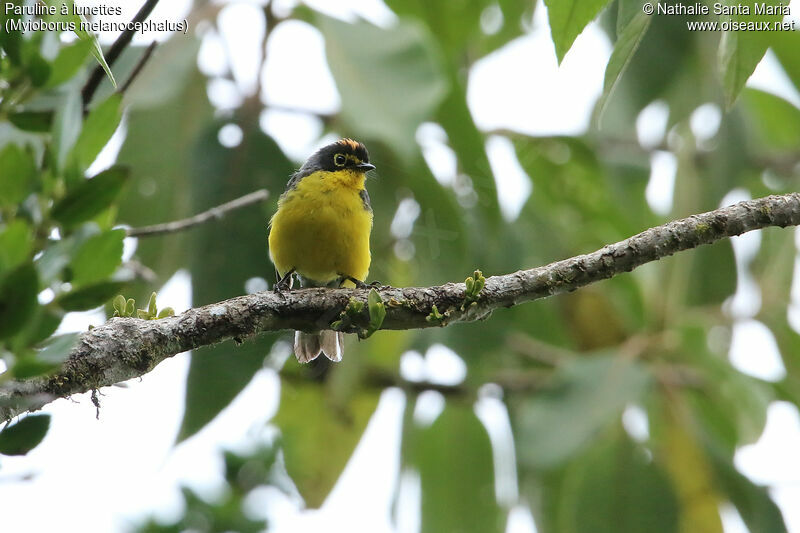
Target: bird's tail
pixel 307 346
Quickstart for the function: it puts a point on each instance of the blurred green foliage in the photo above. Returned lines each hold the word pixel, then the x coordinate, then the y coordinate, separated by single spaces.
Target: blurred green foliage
pixel 245 473
pixel 59 251
pixel 656 339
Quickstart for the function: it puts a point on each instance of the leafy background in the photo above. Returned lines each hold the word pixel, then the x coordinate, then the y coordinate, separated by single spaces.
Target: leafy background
pixel 626 406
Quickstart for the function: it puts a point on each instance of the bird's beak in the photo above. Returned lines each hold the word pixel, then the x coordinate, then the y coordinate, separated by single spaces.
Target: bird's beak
pixel 365 167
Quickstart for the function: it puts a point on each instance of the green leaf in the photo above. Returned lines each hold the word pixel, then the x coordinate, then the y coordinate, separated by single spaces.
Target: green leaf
pixel 389 87
pixel 58 253
pixel 17 172
pixel 587 394
pixel 67 125
pixel 18 290
pixel 100 125
pixel 94 44
pixel 11 41
pixel 309 417
pixel 90 296
pixel 37 68
pixel 28 367
pixel 48 359
pixel 688 467
pixel 454 460
pixel 152 310
pixel 96 50
pixel 757 509
pixel 785 45
pixel 609 204
pixel 90 197
pixel 25 435
pixel 775 122
pixel 713 275
pixel 377 312
pixel 69 60
pixel 567 20
pixel 456 26
pixel 624 49
pixel 35 121
pixel 741 51
pixel 626 10
pixel 469 144
pixel 16 244
pixel 642 498
pixel 728 427
pixel 119 305
pixel 98 257
pixel 38 328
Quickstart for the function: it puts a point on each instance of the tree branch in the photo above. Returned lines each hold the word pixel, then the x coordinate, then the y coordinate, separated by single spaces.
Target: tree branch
pixel 115 51
pixel 213 213
pixel 125 348
pixel 139 66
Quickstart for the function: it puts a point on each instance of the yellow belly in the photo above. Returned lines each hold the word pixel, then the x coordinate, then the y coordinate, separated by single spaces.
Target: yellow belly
pixel 321 230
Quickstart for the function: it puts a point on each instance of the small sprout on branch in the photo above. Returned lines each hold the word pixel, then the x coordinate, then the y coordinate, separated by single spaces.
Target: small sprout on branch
pixel 475 284
pixel 130 307
pixel 351 319
pixel 436 317
pixel 120 305
pixel 127 308
pixel 354 308
pixel 377 312
pixel 348 317
pixel 152 310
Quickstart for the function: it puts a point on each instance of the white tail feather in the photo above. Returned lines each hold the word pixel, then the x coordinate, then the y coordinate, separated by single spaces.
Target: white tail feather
pixel 331 343
pixel 308 346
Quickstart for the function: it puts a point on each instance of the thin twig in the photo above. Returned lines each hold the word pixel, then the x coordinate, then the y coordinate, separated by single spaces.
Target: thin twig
pixel 326 118
pixel 140 271
pixel 537 351
pixel 213 213
pixel 115 51
pixel 125 348
pixel 139 66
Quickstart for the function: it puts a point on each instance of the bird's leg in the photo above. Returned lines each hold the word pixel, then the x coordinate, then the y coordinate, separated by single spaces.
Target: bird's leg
pixel 360 284
pixel 284 283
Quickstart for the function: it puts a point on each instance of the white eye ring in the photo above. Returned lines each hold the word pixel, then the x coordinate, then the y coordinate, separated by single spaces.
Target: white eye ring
pixel 339 160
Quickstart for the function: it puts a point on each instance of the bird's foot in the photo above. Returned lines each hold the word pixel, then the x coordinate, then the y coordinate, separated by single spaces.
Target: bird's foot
pixel 358 283
pixel 285 283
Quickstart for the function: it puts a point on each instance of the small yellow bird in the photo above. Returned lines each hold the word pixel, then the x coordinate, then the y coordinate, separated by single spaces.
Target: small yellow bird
pixel 320 233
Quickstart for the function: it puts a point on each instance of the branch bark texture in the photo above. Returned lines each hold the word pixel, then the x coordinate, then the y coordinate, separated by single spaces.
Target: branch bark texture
pixel 124 348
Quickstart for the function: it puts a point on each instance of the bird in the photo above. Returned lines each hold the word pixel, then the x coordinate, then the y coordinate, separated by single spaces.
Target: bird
pixel 320 233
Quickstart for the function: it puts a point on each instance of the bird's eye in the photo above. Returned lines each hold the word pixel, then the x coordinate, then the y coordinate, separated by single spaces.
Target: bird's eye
pixel 339 160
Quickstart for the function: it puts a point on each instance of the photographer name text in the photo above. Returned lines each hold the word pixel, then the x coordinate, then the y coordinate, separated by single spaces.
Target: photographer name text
pixel 718 8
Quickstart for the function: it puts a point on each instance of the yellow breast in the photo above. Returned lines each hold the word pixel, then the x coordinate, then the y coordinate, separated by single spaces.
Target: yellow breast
pixel 321 228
